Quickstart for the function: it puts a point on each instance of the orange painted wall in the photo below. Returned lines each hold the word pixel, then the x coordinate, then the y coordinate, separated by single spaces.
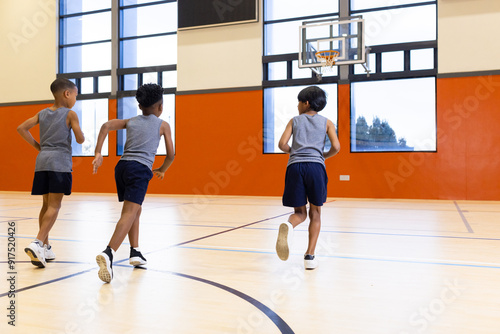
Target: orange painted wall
pixel 219 150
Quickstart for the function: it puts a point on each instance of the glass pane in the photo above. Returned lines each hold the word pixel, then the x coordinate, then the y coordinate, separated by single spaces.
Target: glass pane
pixel 135 2
pixel 87 86
pixel 128 108
pixel 422 59
pixel 300 73
pixel 282 9
pixel 371 64
pixel 79 6
pixel 400 25
pixel 366 4
pixel 280 105
pixel 92 57
pixel 86 28
pixel 169 79
pixel 137 52
pixel 104 84
pixel 393 115
pixel 282 38
pixel 277 71
pixel 149 20
pixel 92 115
pixel 151 77
pixel 130 82
pixel 393 61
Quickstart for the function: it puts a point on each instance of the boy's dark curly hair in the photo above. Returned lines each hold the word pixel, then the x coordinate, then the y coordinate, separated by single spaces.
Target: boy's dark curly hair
pixel 149 94
pixel 316 97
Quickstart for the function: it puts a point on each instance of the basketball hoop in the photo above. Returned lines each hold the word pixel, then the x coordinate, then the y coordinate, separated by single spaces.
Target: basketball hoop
pixel 327 59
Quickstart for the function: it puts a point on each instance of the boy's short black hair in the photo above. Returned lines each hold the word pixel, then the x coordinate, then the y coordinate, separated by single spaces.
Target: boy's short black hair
pixel 61 84
pixel 149 94
pixel 315 95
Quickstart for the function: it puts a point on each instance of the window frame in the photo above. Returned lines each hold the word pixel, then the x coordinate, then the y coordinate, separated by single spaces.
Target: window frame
pixel 350 76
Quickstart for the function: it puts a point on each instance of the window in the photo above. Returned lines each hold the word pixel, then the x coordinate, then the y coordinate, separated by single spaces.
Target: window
pixel 281 105
pixel 399 89
pixel 85 58
pixel 396 109
pixel 393 115
pixel 147 53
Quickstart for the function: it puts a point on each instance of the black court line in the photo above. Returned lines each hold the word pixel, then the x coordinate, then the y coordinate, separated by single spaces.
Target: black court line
pixel 48 282
pixel 466 223
pixel 273 316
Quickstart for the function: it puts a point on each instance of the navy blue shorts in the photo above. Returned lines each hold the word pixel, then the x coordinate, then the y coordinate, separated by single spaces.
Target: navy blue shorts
pixel 305 181
pixel 46 182
pixel 132 180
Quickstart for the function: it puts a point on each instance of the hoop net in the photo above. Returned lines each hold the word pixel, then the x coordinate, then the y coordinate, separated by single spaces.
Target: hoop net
pixel 327 59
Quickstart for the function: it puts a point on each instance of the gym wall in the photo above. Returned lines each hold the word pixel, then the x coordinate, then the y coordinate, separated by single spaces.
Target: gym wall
pixel 219 114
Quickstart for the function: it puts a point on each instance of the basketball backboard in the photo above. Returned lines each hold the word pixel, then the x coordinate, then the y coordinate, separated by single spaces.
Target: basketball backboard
pixel 344 34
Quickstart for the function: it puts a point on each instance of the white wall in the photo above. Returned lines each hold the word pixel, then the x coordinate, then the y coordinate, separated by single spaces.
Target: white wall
pixel 28 57
pixel 468 35
pixel 220 57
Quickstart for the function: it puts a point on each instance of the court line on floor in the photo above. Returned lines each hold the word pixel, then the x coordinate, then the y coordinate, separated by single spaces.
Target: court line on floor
pixel 389 234
pixel 158 250
pixel 273 316
pixel 365 258
pixel 464 220
pixel 212 235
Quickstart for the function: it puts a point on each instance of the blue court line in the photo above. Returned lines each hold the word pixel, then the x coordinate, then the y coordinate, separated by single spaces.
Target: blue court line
pixel 466 223
pixel 384 234
pixel 351 258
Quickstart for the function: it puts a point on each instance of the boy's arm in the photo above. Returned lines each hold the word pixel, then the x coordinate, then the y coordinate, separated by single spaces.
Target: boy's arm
pixel 169 145
pixel 74 123
pixel 285 137
pixel 112 125
pixel 24 128
pixel 332 135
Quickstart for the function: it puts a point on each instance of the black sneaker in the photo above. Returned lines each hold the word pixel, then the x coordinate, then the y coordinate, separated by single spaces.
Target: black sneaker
pixel 136 258
pixel 105 262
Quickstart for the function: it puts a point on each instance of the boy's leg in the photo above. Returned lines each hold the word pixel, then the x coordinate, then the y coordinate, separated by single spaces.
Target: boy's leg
pixel 299 216
pixel 136 257
pixel 314 227
pixel 42 213
pixel 46 219
pixel 49 216
pixel 133 233
pixel 285 232
pixel 129 215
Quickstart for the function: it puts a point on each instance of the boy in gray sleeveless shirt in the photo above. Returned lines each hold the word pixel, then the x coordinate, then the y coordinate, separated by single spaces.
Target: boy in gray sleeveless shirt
pixel 53 166
pixel 134 170
pixel 306 178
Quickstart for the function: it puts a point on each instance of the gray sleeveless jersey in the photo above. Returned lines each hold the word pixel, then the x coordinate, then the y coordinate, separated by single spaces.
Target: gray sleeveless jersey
pixel 143 137
pixel 55 141
pixel 309 136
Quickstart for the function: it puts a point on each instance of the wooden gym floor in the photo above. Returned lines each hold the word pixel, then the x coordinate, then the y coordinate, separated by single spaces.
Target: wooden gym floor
pixel 386 266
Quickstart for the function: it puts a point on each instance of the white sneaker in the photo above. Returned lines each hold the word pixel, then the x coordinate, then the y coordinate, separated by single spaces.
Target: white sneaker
pixel 49 253
pixel 310 262
pixel 136 258
pixel 37 254
pixel 284 242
